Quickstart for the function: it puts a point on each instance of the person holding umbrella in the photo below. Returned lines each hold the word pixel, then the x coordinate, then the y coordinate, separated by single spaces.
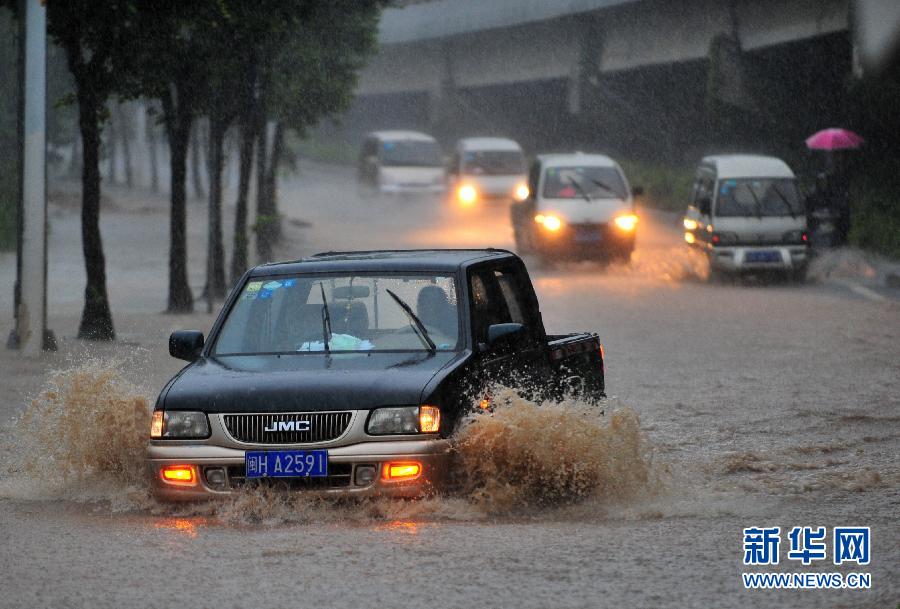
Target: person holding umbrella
pixel 833 192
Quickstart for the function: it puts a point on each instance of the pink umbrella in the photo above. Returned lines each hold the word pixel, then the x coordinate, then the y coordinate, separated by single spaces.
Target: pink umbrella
pixel 833 139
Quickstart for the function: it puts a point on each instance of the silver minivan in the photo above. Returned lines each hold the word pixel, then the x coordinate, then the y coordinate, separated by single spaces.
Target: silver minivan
pixel 746 213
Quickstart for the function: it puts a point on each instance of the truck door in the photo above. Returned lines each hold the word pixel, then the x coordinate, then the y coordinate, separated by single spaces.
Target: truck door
pixel 502 294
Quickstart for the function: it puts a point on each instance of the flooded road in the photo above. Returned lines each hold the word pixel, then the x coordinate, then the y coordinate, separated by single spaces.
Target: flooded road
pixel 759 405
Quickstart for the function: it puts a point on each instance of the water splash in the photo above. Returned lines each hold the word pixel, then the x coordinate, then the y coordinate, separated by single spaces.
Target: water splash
pixel 528 455
pixel 83 438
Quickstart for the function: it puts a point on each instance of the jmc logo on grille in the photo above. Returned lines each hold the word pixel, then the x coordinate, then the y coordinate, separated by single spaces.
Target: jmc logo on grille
pixel 287 426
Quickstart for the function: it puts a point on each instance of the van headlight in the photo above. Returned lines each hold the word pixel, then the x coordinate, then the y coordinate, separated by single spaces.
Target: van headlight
pixel 521 192
pixel 467 194
pixel 626 222
pixel 404 420
pixel 179 425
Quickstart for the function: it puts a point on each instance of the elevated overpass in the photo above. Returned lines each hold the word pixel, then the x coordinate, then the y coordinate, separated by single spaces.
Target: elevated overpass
pixel 663 77
pixel 432 47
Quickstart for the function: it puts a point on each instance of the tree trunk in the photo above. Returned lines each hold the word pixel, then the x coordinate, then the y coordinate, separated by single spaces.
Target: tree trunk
pixel 96 318
pixel 196 173
pixel 239 252
pixel 151 148
pixel 215 265
pixel 272 180
pixel 178 126
pixel 126 132
pixel 263 248
pixel 268 225
pixel 112 147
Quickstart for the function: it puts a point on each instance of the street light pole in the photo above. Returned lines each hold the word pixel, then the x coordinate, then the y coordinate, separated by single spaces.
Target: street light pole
pixel 31 313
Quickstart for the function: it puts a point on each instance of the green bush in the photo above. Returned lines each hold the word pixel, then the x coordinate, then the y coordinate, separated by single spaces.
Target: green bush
pixel 875 216
pixel 665 187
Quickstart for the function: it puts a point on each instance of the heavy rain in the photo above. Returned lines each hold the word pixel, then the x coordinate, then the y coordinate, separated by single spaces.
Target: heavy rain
pixel 686 393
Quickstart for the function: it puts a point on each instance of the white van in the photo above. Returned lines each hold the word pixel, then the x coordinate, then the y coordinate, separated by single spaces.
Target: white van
pixel 747 214
pixel 487 168
pixel 580 206
pixel 401 162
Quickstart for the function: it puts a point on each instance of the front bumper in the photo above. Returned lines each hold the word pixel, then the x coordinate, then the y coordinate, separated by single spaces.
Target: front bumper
pixel 583 238
pixel 224 454
pixel 738 258
pixel 432 454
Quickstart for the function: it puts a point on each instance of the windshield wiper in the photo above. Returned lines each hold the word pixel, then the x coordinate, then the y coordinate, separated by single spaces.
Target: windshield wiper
pixel 580 189
pixel 604 187
pixel 415 322
pixel 755 198
pixel 785 201
pixel 326 320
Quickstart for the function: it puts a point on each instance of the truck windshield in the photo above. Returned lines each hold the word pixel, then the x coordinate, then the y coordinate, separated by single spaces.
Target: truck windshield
pixel 758 197
pixel 284 314
pixel 494 162
pixel 594 182
pixel 410 153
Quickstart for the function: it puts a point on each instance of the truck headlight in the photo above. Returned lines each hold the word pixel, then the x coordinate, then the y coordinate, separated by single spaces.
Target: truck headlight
pixel 179 424
pixel 404 420
pixel 521 193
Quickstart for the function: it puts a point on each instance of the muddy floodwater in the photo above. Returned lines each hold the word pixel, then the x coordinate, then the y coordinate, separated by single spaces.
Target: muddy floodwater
pixel 731 406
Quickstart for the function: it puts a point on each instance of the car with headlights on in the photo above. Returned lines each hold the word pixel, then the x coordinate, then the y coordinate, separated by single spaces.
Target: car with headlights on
pixel 487 169
pixel 349 373
pixel 579 206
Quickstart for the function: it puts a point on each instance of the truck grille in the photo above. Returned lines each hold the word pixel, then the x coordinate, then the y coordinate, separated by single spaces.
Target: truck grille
pixel 314 426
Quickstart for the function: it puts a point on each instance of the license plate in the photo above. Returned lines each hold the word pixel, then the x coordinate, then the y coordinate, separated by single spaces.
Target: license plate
pixel 762 257
pixel 286 463
pixel 587 237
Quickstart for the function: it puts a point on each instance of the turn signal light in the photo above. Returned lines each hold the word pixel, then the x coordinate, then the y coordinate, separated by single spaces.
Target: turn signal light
pixel 179 475
pixel 429 419
pixel 400 471
pixel 626 222
pixel 156 424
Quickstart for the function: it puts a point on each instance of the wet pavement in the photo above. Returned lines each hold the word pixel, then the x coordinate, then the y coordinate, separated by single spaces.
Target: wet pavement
pixel 760 405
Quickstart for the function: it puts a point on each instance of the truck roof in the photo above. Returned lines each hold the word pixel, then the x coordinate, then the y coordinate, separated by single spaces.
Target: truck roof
pixel 439 260
pixel 748 166
pixel 576 159
pixel 488 143
pixel 398 134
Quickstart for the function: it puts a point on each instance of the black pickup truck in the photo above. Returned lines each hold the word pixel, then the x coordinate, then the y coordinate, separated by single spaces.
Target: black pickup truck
pixel 349 372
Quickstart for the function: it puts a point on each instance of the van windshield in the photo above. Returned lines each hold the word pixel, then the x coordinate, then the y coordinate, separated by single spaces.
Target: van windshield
pixel 494 162
pixel 410 153
pixel 578 182
pixel 284 314
pixel 758 197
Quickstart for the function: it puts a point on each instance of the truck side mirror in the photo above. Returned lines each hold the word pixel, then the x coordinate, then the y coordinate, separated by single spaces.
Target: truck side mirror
pixel 503 333
pixel 186 344
pixel 637 191
pixel 705 205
